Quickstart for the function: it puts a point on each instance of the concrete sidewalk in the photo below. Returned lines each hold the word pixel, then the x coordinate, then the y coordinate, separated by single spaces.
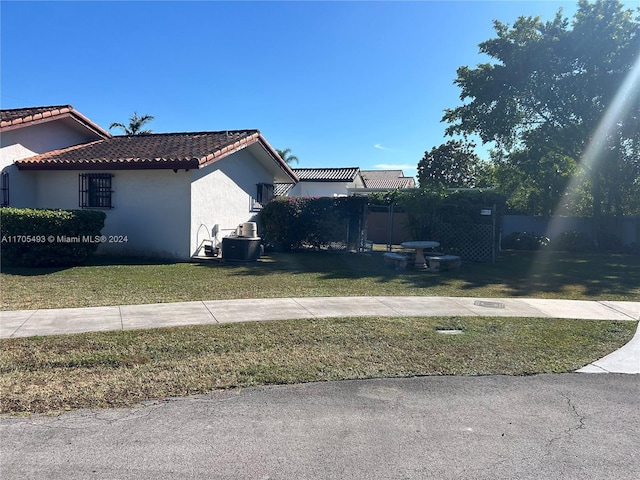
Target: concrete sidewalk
pixel 25 323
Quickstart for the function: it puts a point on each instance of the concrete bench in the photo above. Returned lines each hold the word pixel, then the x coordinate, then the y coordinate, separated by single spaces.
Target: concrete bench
pixel 437 263
pixel 396 260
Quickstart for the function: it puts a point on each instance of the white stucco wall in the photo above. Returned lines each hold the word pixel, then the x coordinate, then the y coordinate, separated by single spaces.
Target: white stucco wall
pixel 321 189
pixel 32 140
pixel 35 139
pixel 221 195
pixel 151 208
pixel 21 188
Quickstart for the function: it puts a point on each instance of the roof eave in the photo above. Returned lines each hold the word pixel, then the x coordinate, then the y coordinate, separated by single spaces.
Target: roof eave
pixel 140 165
pixel 228 150
pixel 276 158
pixel 49 117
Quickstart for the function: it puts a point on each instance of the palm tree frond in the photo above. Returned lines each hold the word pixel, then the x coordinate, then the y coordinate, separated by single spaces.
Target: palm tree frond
pixel 135 124
pixel 287 156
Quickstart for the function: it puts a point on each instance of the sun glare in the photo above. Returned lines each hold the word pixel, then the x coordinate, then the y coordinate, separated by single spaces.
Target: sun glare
pixel 620 107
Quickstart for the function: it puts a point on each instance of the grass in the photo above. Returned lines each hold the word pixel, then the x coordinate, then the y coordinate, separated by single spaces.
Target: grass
pixel 45 374
pixel 516 274
pixel 49 374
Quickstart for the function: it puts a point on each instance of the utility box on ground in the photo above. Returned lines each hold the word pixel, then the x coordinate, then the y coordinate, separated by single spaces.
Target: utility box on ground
pixel 241 249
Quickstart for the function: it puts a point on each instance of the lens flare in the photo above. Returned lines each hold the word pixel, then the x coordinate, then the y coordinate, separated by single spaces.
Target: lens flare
pixel 624 100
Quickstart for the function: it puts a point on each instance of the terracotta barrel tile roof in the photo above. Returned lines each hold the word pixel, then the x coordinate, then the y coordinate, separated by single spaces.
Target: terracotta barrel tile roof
pixel 391 179
pixel 347 174
pixel 15 116
pixel 164 150
pixel 282 189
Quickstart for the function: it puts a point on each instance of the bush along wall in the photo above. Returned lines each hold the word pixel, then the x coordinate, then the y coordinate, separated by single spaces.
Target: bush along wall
pixel 293 223
pixel 48 238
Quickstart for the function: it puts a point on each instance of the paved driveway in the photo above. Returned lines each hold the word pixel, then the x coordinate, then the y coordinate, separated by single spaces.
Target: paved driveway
pixel 568 426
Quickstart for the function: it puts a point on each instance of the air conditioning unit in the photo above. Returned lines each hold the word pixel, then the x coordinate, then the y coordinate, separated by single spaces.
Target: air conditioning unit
pixel 241 249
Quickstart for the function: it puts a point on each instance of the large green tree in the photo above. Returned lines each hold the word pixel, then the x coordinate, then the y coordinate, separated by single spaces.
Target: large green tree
pixel 551 91
pixel 451 165
pixel 532 184
pixel 135 125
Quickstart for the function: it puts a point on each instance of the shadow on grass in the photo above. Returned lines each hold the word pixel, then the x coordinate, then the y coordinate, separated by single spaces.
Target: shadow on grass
pixel 531 273
pixel 329 265
pixel 93 261
pixel 517 273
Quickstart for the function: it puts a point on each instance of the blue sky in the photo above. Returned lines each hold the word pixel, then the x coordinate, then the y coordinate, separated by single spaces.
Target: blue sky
pixel 339 83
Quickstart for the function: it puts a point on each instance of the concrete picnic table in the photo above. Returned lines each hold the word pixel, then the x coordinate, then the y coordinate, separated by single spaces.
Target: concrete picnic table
pixel 419 246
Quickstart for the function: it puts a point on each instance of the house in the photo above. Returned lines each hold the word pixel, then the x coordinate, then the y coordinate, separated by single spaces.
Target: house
pixel 384 180
pixel 25 132
pixel 324 182
pixel 332 182
pixel 167 194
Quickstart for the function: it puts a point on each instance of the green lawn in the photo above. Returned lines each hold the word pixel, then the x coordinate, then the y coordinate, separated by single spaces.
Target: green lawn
pixel 44 374
pixel 516 274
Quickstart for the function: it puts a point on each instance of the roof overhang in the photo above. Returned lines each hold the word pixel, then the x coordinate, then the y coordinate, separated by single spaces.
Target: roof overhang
pixel 274 164
pixel 256 144
pixel 70 116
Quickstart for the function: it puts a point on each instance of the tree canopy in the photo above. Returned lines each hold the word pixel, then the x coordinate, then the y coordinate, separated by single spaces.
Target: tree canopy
pixel 547 92
pixel 451 165
pixel 135 125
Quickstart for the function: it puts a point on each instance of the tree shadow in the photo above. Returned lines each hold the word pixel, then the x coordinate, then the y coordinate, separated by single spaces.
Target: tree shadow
pixel 526 273
pixel 93 261
pixel 516 273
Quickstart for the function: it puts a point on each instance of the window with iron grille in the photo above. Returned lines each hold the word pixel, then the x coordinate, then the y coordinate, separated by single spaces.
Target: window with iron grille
pixel 95 190
pixel 5 189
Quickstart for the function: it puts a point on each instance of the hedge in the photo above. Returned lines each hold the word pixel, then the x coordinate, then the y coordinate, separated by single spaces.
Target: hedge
pixel 291 223
pixel 48 238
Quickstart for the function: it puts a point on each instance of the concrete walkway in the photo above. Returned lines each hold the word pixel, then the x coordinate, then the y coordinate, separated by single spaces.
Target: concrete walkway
pixel 26 323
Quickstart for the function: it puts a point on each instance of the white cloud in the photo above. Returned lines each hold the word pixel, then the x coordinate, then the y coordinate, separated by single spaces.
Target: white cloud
pixel 380 147
pixel 401 166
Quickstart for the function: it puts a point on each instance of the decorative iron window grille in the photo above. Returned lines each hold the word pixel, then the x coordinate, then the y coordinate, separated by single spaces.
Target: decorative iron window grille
pixel 95 190
pixel 5 189
pixel 264 195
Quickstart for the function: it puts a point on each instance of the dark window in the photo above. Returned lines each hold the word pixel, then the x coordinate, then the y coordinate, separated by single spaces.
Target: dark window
pixel 5 189
pixel 95 190
pixel 264 195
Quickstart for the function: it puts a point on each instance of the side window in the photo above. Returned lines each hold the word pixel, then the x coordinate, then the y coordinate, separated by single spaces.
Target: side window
pixel 5 189
pixel 95 190
pixel 264 195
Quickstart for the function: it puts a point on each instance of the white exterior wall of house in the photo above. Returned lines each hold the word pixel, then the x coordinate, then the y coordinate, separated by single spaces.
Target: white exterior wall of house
pixel 35 139
pixel 28 141
pixel 221 195
pixel 151 209
pixel 324 189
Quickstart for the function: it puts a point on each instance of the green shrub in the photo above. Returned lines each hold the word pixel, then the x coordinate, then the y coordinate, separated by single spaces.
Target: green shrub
pixel 46 238
pixel 524 241
pixel 291 223
pixel 573 242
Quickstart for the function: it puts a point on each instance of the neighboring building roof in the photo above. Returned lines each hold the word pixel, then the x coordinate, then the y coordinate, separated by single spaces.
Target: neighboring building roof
pixel 387 179
pixel 327 174
pixel 153 151
pixel 282 189
pixel 11 119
